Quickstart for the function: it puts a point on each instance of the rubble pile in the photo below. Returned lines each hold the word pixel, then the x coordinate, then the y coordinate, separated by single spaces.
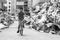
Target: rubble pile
pixel 46 18
pixel 6 19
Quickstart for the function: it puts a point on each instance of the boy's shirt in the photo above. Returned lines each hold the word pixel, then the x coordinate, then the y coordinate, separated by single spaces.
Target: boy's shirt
pixel 21 15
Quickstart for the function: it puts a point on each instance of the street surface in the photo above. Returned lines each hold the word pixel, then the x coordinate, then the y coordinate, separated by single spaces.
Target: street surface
pixel 29 34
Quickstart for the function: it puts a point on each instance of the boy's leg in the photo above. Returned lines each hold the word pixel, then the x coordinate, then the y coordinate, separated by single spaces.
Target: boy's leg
pixel 18 28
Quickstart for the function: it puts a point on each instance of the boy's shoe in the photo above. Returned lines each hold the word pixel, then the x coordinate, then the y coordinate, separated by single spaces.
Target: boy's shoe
pixel 17 31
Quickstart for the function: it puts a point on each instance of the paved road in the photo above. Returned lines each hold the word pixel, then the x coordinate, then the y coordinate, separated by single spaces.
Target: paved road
pixel 29 34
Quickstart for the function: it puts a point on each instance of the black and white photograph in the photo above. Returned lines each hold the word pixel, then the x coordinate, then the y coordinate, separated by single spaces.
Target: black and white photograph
pixel 29 19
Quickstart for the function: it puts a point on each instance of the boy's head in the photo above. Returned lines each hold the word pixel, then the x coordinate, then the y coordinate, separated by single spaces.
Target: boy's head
pixel 21 9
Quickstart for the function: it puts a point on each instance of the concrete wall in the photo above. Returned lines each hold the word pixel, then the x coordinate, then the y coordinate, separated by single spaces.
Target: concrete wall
pixel 12 5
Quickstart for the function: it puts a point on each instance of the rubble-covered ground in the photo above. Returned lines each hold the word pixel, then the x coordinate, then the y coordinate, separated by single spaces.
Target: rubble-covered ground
pixel 29 34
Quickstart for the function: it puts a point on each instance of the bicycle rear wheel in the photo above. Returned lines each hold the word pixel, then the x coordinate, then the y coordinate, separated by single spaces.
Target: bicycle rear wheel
pixel 21 31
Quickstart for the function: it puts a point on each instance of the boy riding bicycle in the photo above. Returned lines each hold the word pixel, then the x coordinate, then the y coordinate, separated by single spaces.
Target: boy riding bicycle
pixel 20 20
